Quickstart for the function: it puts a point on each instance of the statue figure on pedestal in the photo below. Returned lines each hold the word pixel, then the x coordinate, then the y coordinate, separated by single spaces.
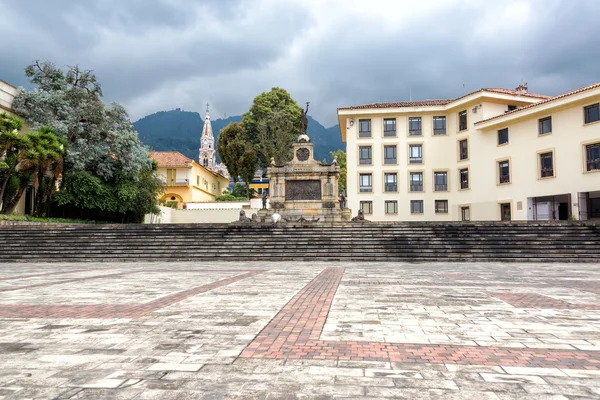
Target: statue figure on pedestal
pixel 304 121
pixel 343 199
pixel 264 199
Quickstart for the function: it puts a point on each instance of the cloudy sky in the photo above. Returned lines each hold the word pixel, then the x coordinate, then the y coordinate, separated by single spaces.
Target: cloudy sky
pixel 153 55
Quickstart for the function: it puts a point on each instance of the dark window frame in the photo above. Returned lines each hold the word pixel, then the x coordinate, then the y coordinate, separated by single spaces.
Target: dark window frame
pixel 587 112
pixel 364 133
pixel 463 154
pixel 464 178
pixel 501 134
pixel 369 203
pixel 592 162
pixel 463 122
pixel 386 131
pixel 440 187
pixel 390 186
pixel 413 207
pixel 502 179
pixel 389 160
pixel 439 130
pixel 365 160
pixel 418 159
pixel 395 203
pixel 544 126
pixel 444 206
pixel 415 187
pixel 545 171
pixel 365 189
pixel 419 130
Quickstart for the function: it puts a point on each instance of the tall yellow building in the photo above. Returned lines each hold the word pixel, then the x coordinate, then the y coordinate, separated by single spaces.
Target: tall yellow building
pixel 494 154
pixel 187 181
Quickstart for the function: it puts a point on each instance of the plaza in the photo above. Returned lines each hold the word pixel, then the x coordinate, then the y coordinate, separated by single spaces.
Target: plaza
pixel 249 330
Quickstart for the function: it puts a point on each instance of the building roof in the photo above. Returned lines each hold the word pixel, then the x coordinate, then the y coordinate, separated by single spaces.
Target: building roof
pixel 425 103
pixel 545 101
pixel 170 159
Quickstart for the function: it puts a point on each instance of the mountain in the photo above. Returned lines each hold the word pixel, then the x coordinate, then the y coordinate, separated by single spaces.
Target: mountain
pixel 178 130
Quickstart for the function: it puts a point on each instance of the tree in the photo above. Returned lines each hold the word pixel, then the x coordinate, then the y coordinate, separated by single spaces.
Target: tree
pixel 247 165
pixel 45 161
pixel 107 170
pixel 12 147
pixel 341 160
pixel 277 117
pixel 70 103
pixel 229 147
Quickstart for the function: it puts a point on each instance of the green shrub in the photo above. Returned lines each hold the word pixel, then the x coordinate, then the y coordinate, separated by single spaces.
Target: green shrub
pixel 230 197
pixel 172 204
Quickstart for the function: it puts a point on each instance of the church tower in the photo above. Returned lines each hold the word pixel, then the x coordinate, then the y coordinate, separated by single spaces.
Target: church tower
pixel 208 154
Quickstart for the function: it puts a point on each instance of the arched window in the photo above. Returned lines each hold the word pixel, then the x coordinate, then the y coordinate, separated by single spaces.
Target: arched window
pixel 206 162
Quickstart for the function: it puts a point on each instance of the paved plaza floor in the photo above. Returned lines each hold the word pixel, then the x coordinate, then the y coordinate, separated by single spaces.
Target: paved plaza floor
pixel 299 330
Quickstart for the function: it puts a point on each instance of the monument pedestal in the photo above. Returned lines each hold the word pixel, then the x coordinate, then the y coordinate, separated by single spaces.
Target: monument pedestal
pixel 305 188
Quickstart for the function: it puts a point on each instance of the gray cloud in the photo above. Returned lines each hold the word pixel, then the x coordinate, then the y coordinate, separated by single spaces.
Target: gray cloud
pixel 153 55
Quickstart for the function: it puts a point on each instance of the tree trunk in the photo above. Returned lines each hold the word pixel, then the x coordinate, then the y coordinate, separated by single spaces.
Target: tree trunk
pixel 5 183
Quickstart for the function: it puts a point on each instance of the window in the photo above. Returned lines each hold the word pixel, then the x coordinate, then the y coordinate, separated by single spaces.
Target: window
pixel 503 136
pixel 441 206
pixel 259 190
pixel 390 181
pixel 545 125
pixel 414 126
pixel 416 206
pixel 440 181
pixel 462 120
pixel 365 155
pixel 365 183
pixel 463 149
pixel 592 113
pixel 512 108
pixel 592 157
pixel 546 165
pixel 464 178
pixel 504 172
pixel 391 207
pixel 389 127
pixel 364 128
pixel 415 155
pixel 389 154
pixel 366 207
pixel 416 181
pixel 197 180
pixel 439 125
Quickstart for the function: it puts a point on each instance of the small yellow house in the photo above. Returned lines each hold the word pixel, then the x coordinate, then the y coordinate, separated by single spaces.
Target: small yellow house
pixel 187 181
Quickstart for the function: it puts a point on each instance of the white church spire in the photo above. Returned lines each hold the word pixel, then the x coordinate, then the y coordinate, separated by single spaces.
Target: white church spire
pixel 208 154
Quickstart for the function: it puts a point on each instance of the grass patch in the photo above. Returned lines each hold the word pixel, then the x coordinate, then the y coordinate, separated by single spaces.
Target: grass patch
pixel 15 217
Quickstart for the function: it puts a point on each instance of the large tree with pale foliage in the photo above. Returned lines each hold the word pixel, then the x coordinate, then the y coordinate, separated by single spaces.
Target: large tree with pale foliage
pixel 106 167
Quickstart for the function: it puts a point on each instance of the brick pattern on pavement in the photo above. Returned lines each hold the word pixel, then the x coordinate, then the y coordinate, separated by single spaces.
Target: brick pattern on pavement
pixel 295 331
pixel 534 300
pixel 109 311
pixel 14 277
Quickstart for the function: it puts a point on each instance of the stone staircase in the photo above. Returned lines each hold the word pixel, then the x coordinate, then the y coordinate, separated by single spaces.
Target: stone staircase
pixel 533 242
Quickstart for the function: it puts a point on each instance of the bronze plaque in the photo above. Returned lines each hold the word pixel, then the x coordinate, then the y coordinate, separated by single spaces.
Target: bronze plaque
pixel 303 190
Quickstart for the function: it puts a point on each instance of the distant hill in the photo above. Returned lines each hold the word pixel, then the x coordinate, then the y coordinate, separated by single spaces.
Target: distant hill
pixel 178 130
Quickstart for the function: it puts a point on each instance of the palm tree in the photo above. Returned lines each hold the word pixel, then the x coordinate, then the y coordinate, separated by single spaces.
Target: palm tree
pixel 12 147
pixel 45 160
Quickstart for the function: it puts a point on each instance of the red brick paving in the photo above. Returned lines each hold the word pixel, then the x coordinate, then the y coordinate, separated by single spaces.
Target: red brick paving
pixel 110 311
pixel 533 300
pixel 295 331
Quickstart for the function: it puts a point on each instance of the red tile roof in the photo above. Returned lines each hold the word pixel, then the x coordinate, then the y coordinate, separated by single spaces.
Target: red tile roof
pixel 547 100
pixel 170 159
pixel 425 103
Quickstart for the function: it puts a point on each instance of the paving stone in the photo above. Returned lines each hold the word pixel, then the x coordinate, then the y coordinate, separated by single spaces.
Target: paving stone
pixel 279 330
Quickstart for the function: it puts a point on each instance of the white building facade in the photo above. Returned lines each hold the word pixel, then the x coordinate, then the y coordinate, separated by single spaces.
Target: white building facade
pixel 207 154
pixel 494 154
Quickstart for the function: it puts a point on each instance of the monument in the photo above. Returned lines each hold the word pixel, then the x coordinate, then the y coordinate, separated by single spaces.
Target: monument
pixel 303 189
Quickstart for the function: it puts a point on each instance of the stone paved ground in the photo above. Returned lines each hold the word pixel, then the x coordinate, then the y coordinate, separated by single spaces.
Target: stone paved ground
pixel 299 330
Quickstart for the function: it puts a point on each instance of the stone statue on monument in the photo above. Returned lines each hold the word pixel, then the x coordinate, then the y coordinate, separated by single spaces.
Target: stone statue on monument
pixel 264 199
pixel 304 121
pixel 343 199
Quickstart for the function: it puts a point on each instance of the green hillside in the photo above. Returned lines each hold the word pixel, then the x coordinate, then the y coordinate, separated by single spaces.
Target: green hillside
pixel 178 130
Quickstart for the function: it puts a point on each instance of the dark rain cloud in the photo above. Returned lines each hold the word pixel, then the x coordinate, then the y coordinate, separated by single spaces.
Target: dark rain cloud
pixel 153 55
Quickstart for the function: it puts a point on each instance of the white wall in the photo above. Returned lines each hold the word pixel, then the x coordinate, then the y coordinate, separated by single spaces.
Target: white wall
pixel 214 216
